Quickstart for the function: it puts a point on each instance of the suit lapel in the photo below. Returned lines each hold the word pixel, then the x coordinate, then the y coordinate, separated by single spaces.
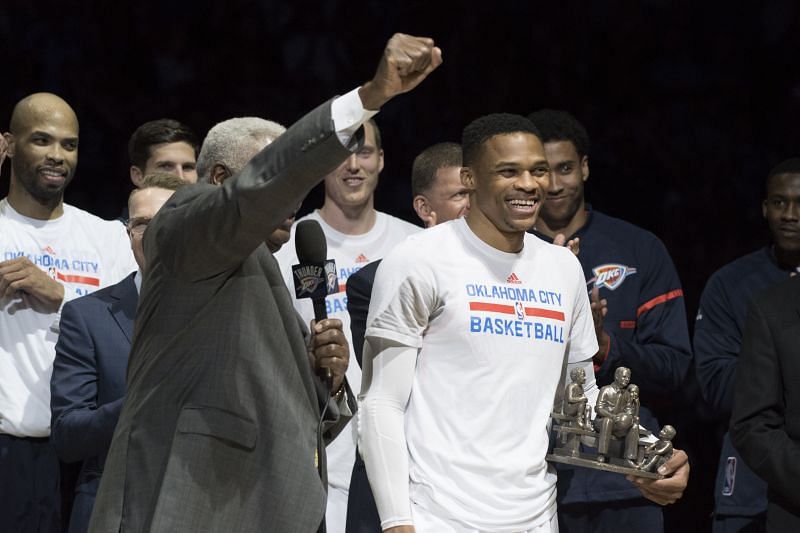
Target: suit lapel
pixel 124 299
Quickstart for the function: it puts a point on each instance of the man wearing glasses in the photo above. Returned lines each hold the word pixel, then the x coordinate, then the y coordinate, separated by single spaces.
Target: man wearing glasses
pixel 88 382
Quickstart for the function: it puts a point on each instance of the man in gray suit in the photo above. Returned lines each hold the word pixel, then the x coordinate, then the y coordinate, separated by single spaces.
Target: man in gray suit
pixel 219 430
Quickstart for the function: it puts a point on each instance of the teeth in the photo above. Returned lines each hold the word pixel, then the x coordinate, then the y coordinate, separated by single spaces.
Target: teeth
pixel 523 203
pixel 53 173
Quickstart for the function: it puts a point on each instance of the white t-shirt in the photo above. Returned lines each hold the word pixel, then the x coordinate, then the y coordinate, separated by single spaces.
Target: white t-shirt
pixel 350 252
pixel 82 252
pixel 493 329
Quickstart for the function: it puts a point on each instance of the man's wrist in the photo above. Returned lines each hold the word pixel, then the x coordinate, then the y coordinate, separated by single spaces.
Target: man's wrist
pixel 371 98
pixel 338 394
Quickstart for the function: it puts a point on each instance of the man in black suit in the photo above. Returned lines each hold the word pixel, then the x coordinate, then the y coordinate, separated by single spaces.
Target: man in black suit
pixel 765 424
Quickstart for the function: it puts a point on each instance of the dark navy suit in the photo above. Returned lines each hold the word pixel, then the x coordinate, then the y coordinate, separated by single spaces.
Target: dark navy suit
pixel 88 384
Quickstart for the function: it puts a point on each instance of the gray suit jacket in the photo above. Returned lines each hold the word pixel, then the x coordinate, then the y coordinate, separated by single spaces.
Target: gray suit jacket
pixel 218 432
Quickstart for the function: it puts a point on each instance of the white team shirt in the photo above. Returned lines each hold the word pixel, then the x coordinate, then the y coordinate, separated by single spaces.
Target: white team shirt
pixel 493 329
pixel 350 252
pixel 82 252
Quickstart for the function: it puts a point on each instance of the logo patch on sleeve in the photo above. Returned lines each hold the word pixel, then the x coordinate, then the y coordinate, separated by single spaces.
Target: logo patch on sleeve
pixel 610 275
pixel 730 476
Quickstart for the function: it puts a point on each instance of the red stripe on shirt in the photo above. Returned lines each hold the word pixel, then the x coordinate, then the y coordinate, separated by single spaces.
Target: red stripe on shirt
pixel 509 310
pixel 67 278
pixel 494 308
pixel 658 300
pixel 544 313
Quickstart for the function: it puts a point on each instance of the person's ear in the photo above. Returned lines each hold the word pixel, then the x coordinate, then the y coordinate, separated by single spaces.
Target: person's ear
pixel 424 211
pixel 11 142
pixel 467 178
pixel 219 173
pixel 585 167
pixel 136 176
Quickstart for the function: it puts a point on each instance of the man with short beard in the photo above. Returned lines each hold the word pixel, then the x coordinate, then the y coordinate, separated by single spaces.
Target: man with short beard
pixel 50 253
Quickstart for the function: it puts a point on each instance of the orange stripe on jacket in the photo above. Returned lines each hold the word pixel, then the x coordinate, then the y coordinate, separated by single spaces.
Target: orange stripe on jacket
pixel 658 300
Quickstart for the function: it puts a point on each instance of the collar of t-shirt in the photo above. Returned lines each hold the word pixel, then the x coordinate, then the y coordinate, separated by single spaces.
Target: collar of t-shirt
pixel 377 231
pixel 12 214
pixel 480 246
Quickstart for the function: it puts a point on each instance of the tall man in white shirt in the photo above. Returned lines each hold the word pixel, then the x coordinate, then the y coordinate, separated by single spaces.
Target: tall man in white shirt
pixel 50 253
pixel 356 234
pixel 439 196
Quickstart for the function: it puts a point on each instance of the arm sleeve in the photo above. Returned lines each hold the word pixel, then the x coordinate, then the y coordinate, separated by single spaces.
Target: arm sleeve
pixel 80 428
pixel 758 422
pixel 401 307
pixel 659 354
pixel 717 339
pixel 381 423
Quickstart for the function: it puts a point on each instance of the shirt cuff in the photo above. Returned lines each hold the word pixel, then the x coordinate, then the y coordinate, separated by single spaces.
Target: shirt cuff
pixel 348 115
pixel 343 404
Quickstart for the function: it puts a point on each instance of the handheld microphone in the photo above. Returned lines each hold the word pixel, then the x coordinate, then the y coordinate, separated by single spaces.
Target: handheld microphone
pixel 314 276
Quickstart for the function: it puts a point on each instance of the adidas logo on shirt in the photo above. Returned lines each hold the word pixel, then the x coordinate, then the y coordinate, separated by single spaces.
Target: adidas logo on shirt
pixel 513 279
pixel 362 259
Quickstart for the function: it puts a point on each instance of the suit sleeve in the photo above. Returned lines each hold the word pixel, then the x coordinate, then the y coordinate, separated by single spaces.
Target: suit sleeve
pixel 80 428
pixel 758 422
pixel 659 354
pixel 717 340
pixel 203 230
pixel 338 414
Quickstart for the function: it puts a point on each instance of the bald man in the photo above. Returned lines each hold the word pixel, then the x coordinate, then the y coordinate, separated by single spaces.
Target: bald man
pixel 50 253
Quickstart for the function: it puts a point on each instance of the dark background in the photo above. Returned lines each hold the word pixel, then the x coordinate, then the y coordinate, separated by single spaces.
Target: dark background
pixel 688 103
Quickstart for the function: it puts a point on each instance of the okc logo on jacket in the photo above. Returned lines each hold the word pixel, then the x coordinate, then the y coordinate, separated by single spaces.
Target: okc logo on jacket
pixel 610 275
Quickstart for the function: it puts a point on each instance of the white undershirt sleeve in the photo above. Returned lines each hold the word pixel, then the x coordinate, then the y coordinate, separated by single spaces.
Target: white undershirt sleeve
pixel 348 114
pixel 387 378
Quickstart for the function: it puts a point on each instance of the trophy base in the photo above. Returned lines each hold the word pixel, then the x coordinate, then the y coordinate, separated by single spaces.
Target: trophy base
pixel 590 461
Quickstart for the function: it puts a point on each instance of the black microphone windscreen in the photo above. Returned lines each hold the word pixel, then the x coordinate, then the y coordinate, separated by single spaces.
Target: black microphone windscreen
pixel 310 243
